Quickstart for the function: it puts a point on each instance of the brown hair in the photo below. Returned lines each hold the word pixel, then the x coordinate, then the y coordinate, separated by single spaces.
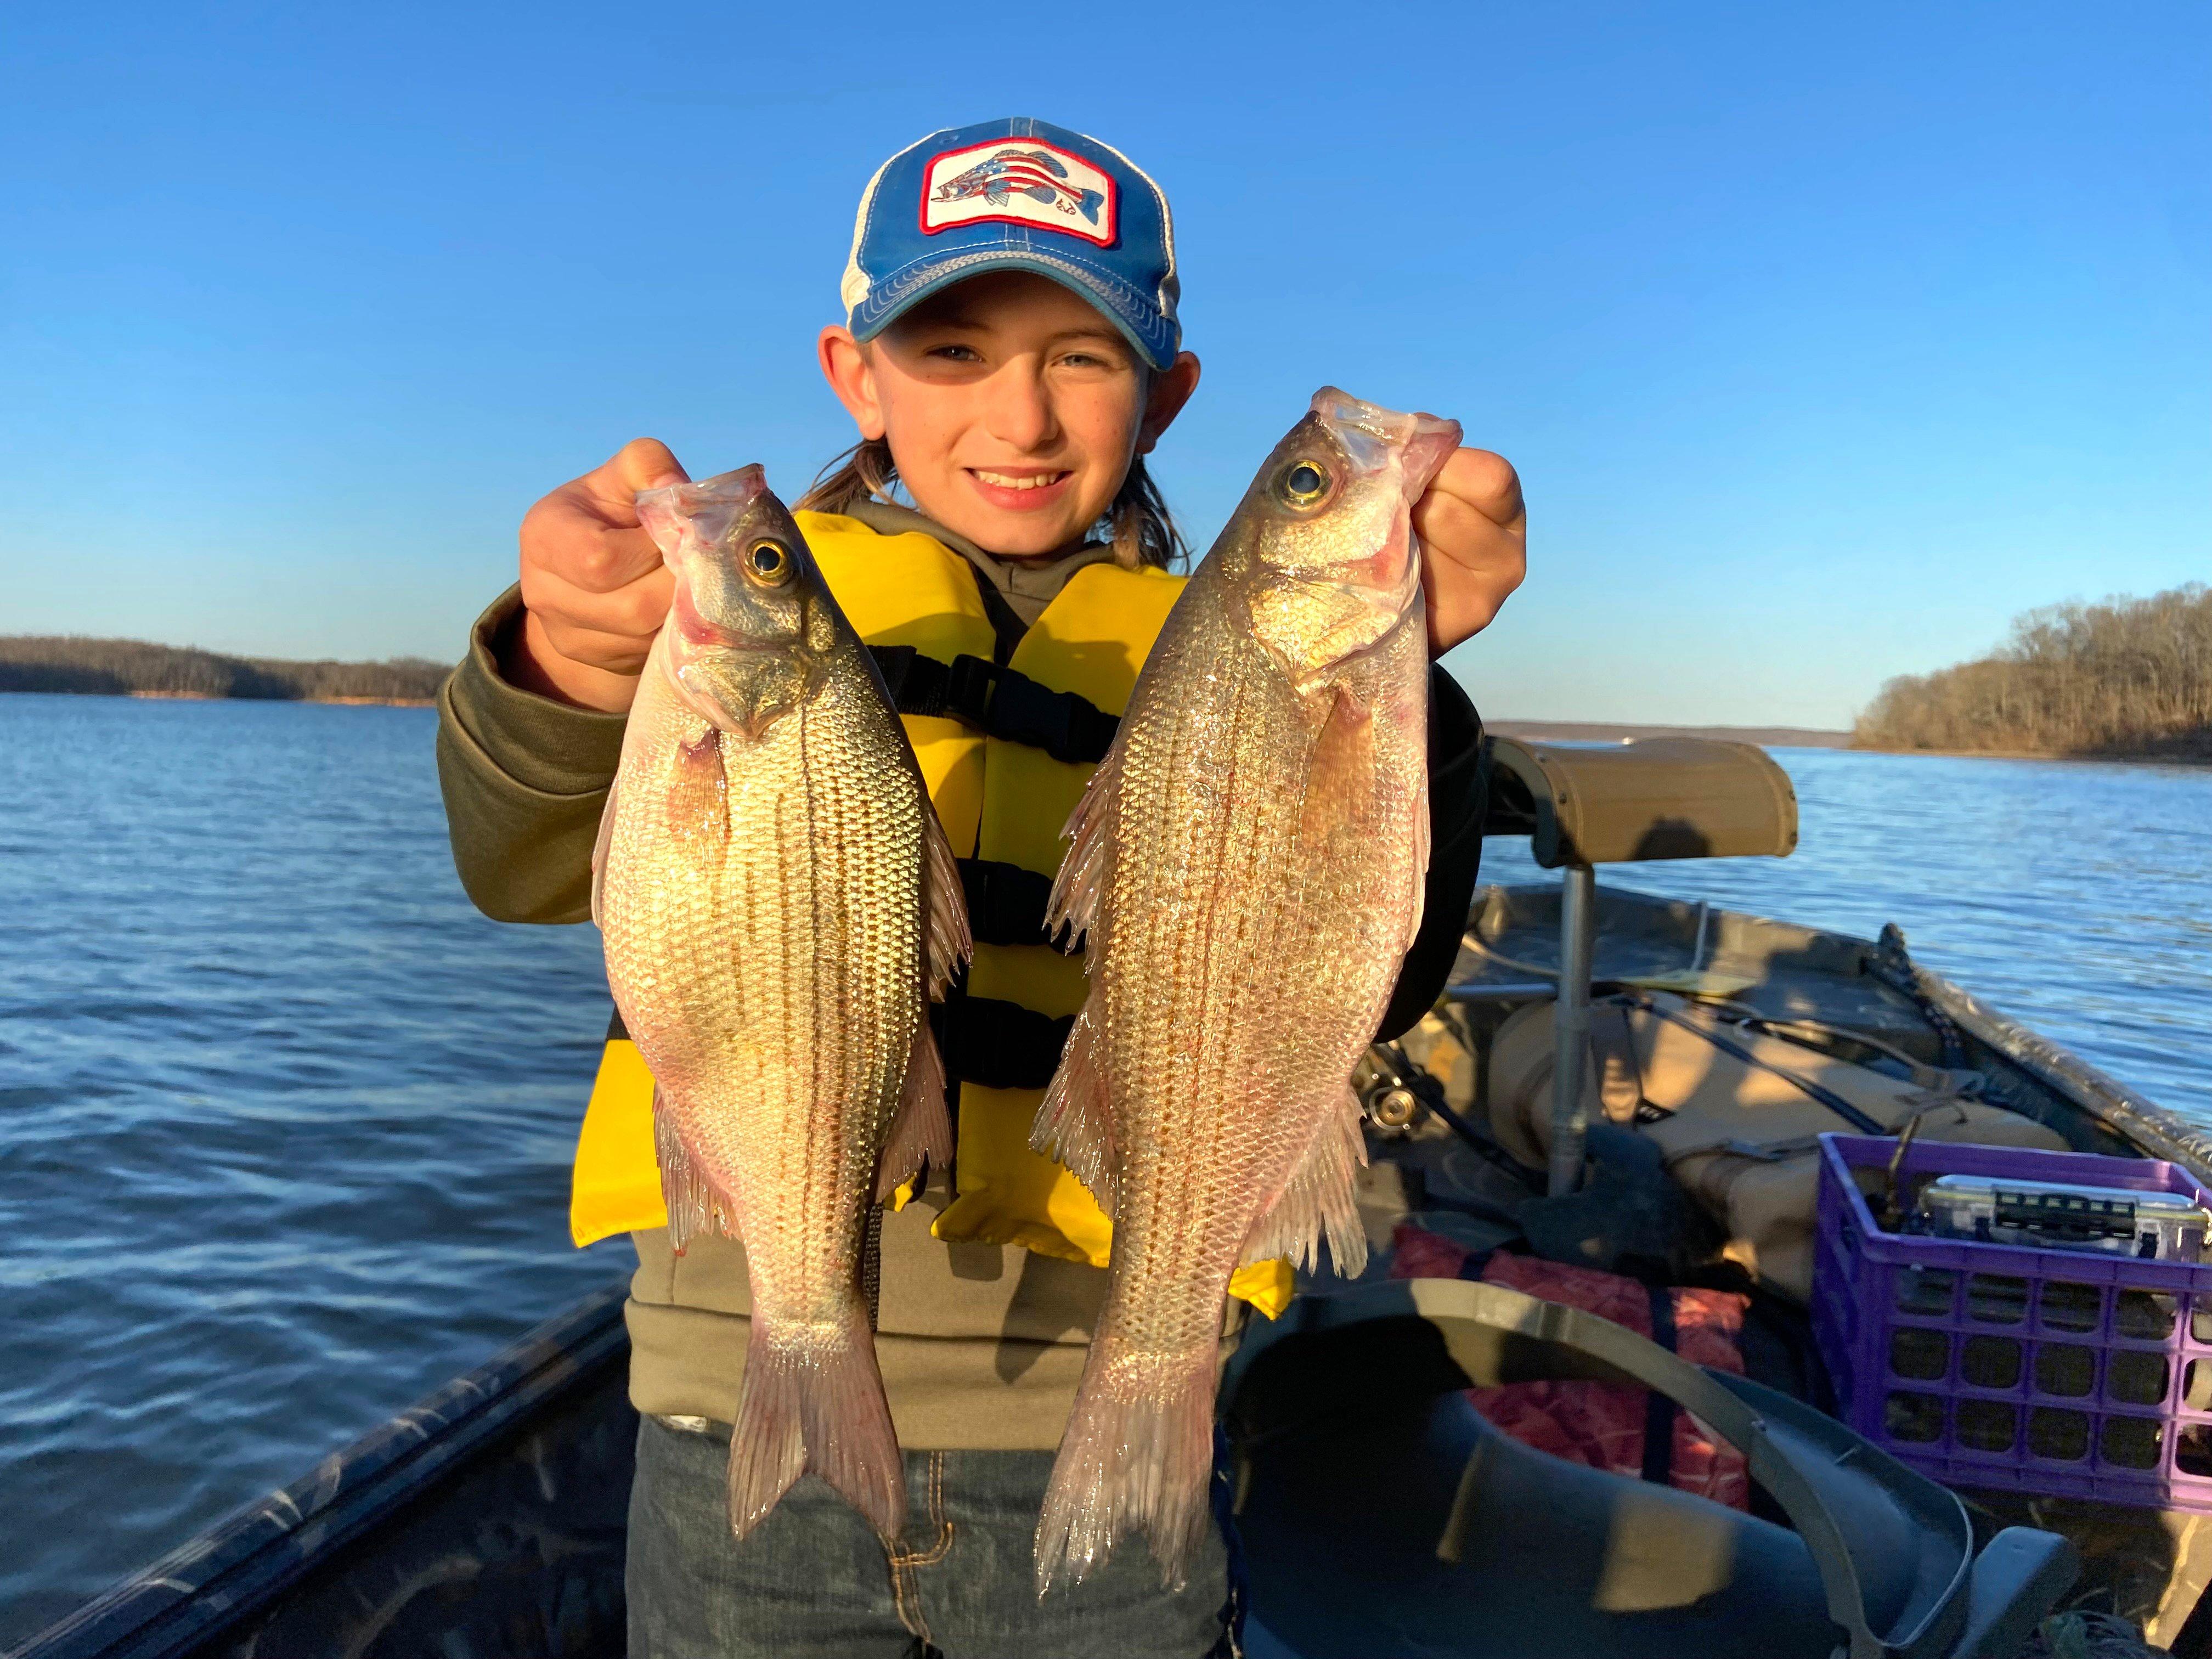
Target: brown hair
pixel 1137 520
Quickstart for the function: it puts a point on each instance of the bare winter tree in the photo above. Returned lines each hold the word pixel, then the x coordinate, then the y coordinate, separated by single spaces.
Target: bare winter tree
pixel 2127 677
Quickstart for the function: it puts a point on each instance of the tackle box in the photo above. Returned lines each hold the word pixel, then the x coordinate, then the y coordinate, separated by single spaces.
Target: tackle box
pixel 2050 1368
pixel 2054 1215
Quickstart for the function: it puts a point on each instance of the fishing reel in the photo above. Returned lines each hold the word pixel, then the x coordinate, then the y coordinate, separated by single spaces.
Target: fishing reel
pixel 1393 1093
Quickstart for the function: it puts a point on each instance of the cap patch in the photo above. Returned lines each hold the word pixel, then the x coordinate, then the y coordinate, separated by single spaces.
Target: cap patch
pixel 1018 181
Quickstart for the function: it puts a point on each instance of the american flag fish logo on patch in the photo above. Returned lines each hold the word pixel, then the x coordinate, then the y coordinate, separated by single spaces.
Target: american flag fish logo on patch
pixel 1018 181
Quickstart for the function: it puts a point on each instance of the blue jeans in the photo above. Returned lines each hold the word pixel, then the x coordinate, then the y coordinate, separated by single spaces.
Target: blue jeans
pixel 813 1578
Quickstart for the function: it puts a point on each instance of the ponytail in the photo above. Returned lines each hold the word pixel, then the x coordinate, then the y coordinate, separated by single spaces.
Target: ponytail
pixel 1136 522
pixel 1144 530
pixel 863 471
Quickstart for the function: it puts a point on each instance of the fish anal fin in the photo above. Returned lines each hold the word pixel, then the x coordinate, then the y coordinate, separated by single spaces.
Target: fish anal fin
pixel 921 1130
pixel 600 846
pixel 1316 1202
pixel 695 1205
pixel 1077 888
pixel 1075 1122
pixel 947 942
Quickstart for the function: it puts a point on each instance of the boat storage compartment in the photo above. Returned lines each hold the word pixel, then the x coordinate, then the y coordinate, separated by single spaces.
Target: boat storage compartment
pixel 2057 1370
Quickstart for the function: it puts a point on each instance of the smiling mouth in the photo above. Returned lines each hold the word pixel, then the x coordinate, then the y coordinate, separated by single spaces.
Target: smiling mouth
pixel 1044 480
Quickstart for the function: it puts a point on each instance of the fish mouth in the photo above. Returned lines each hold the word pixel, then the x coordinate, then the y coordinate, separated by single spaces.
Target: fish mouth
pixel 696 630
pixel 723 495
pixel 1371 435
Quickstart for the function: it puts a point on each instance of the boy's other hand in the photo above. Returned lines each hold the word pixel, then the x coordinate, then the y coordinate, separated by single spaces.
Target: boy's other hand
pixel 1474 544
pixel 594 590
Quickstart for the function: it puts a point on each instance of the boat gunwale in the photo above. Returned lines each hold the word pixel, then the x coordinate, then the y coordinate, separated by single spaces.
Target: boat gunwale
pixel 227 1571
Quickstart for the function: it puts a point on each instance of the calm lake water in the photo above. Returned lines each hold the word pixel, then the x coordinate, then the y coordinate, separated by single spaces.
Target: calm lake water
pixel 287 1124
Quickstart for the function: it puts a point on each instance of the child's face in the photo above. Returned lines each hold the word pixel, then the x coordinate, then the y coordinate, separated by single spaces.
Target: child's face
pixel 1013 407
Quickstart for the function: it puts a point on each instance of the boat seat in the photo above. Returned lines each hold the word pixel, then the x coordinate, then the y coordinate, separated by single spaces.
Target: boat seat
pixel 1380 1516
pixel 1649 797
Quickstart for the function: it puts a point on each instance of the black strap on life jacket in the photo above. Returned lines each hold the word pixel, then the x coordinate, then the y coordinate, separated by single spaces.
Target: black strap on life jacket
pixel 999 703
pixel 1000 1045
pixel 1006 905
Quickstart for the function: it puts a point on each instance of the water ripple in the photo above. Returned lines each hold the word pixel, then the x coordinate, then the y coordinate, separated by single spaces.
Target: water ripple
pixel 288 1123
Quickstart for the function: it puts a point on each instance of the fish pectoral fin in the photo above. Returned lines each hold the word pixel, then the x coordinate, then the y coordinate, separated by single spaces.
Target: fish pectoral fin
pixel 1074 1121
pixel 1082 878
pixel 605 840
pixel 1341 774
pixel 695 1206
pixel 920 1134
pixel 949 944
pixel 1316 1202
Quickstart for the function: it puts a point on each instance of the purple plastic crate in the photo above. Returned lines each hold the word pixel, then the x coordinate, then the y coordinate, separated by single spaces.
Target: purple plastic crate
pixel 2072 1373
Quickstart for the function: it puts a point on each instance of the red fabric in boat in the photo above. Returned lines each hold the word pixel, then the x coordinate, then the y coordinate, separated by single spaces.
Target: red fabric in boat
pixel 1601 1423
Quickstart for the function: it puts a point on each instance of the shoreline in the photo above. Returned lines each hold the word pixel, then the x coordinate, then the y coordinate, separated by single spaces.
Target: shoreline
pixel 1794 736
pixel 2076 756
pixel 213 696
pixel 1784 737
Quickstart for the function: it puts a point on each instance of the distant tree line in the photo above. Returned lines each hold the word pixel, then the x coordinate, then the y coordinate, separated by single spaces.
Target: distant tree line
pixel 119 667
pixel 2129 677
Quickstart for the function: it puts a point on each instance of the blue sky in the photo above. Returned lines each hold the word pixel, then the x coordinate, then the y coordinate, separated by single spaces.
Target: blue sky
pixel 1825 338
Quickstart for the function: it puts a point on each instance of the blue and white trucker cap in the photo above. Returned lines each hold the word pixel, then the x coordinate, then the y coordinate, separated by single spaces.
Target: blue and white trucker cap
pixel 1016 195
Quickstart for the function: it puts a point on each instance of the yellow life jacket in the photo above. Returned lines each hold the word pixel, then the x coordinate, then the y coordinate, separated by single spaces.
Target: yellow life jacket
pixel 1003 768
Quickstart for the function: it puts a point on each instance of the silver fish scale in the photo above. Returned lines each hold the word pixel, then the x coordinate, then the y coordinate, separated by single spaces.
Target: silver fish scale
pixel 765 921
pixel 1249 864
pixel 1248 944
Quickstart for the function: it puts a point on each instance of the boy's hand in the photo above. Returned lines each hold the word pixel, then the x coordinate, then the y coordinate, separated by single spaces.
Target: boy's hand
pixel 594 590
pixel 1474 544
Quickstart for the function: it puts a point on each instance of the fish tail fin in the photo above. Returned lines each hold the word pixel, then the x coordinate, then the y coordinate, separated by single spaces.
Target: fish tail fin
pixel 813 1400
pixel 1138 1454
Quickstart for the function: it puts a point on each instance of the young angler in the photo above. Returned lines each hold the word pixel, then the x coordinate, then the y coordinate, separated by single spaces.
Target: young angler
pixel 1010 354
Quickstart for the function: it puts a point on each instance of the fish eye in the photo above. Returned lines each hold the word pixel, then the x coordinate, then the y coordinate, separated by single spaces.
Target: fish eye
pixel 769 561
pixel 1302 483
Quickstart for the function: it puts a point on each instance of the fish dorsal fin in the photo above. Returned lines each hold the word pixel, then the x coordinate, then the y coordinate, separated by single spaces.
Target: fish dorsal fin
pixel 1082 879
pixel 599 851
pixel 948 945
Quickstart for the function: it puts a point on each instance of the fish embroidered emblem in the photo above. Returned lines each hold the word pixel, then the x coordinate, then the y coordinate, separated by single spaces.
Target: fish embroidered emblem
pixel 1036 173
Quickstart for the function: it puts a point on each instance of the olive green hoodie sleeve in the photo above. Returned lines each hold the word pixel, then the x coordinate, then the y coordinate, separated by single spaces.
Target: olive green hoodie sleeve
pixel 524 778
